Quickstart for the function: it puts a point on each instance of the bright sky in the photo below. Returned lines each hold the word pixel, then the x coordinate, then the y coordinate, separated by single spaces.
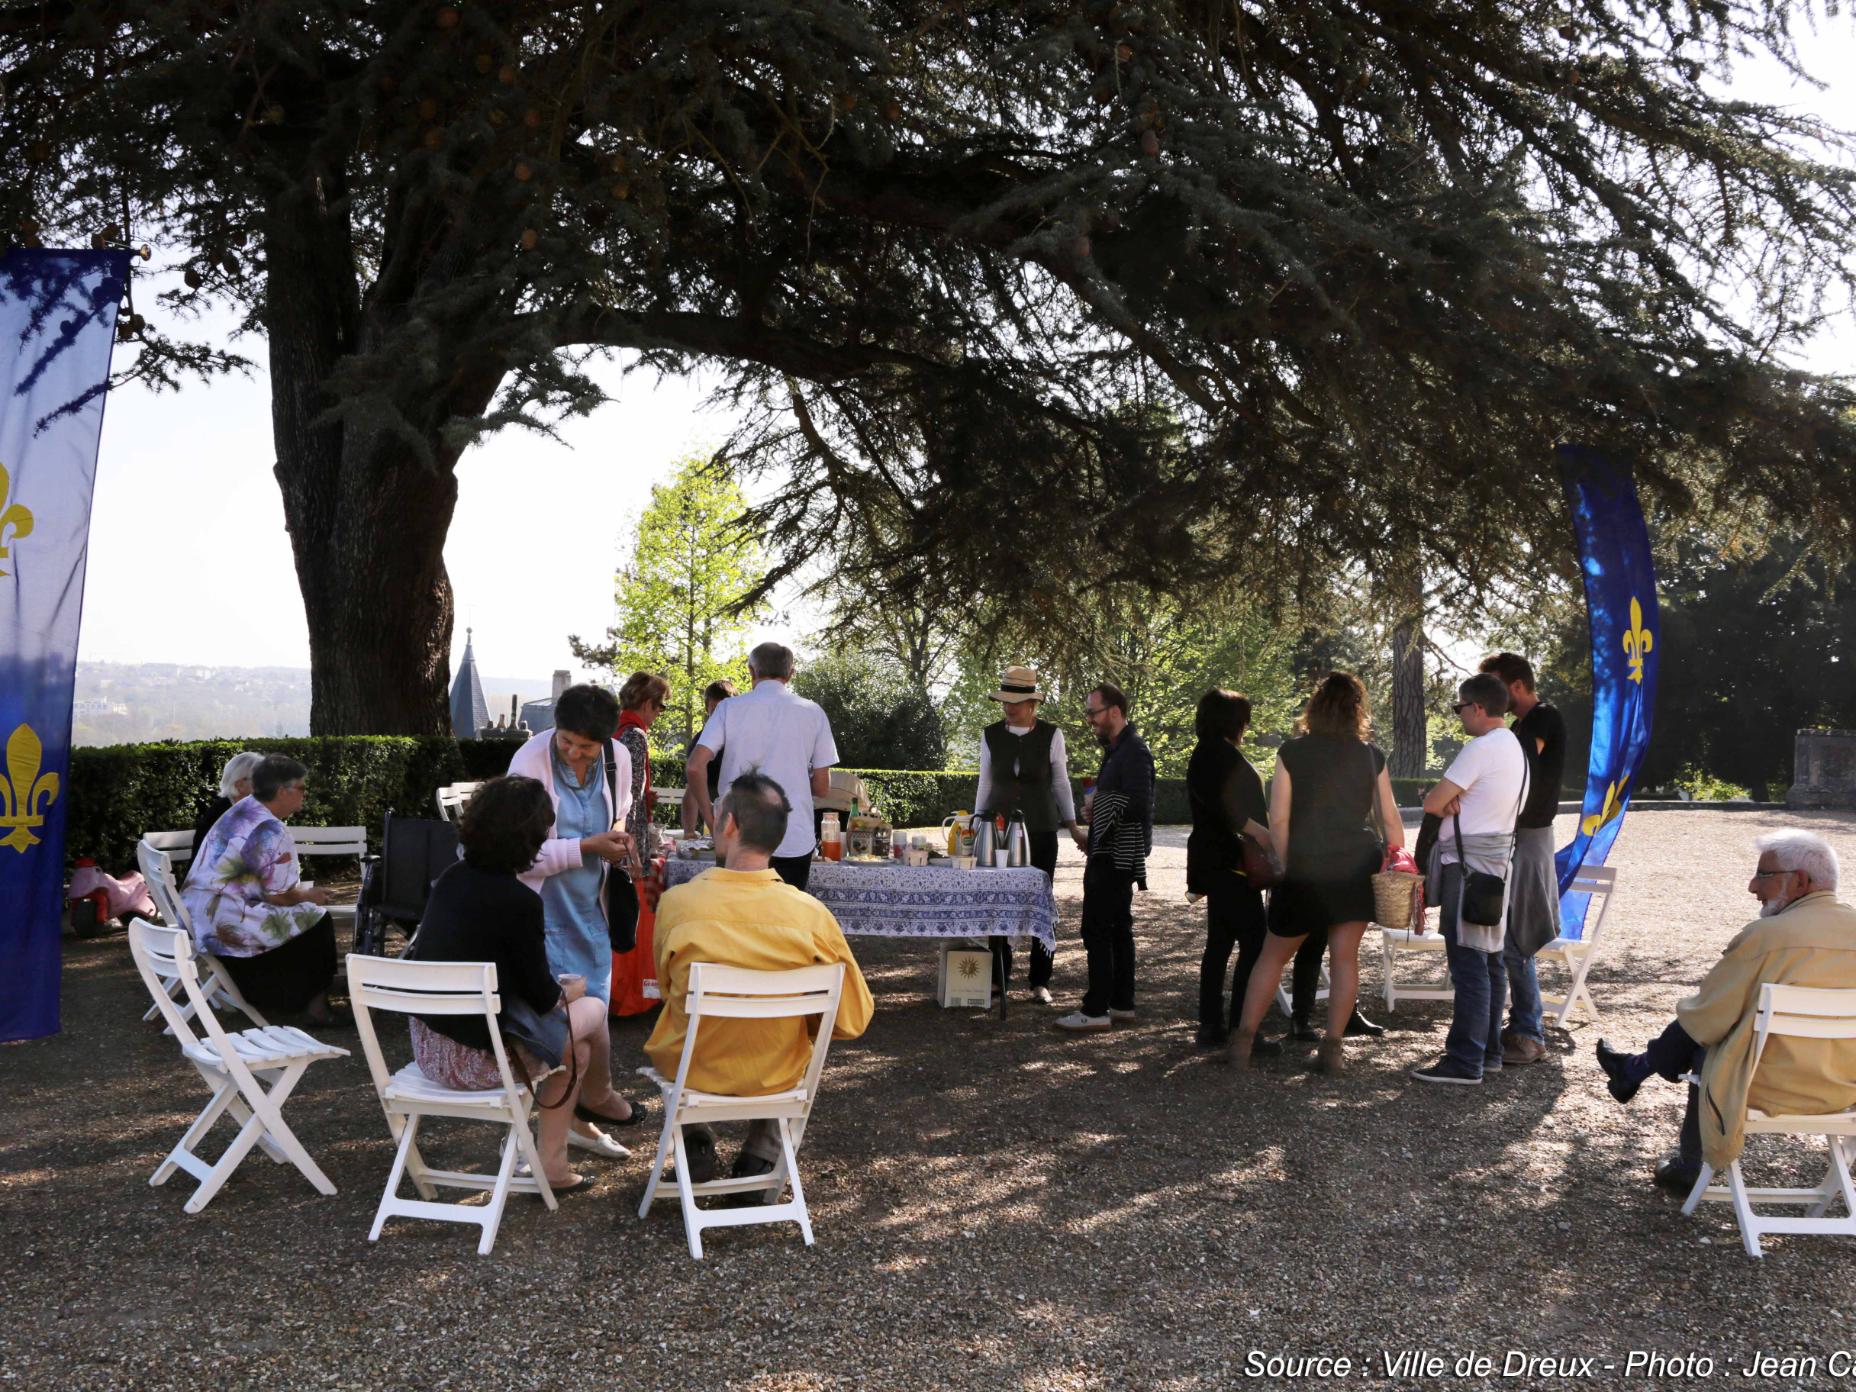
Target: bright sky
pixel 189 560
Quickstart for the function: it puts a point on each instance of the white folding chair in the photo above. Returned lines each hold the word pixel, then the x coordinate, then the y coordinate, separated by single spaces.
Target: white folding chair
pixel 1578 954
pixel 329 841
pixel 177 844
pixel 251 1073
pixel 1397 943
pixel 454 797
pixel 408 1096
pixel 1797 1012
pixel 216 985
pixel 722 992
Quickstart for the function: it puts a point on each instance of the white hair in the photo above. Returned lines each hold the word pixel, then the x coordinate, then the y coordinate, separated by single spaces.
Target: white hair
pixel 237 767
pixel 1802 850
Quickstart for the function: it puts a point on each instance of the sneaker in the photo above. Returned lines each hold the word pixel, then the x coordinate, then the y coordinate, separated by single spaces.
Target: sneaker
pixel 1123 1017
pixel 1447 1070
pixel 1078 1023
pixel 1041 994
pixel 1491 1064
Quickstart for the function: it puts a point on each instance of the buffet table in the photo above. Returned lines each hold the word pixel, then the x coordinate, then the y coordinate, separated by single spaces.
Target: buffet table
pixel 890 900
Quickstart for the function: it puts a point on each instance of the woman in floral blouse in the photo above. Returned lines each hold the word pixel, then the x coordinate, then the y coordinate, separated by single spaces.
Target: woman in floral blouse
pixel 248 910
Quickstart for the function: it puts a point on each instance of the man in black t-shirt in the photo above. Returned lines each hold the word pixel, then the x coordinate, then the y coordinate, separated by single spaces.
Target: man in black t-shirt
pixel 1534 898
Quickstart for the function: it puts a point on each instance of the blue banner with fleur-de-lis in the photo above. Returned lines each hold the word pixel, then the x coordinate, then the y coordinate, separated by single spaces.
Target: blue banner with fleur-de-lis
pixel 57 323
pixel 1620 603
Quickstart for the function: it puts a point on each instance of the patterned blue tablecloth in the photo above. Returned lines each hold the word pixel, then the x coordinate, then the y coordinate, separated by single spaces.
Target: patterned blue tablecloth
pixel 932 901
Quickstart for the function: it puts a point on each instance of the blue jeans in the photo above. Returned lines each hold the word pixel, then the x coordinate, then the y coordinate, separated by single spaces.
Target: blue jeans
pixel 1481 984
pixel 1524 1012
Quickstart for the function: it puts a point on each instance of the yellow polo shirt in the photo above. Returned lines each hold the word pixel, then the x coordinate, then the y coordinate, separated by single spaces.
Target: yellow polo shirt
pixel 755 920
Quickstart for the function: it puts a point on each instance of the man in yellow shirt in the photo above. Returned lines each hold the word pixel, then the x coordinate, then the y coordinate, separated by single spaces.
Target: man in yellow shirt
pixel 744 915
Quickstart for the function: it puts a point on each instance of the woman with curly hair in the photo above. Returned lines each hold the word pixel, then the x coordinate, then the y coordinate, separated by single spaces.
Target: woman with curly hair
pixel 1332 815
pixel 480 912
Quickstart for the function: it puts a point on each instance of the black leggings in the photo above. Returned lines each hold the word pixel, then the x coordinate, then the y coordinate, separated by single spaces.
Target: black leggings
pixel 1233 917
pixel 1306 979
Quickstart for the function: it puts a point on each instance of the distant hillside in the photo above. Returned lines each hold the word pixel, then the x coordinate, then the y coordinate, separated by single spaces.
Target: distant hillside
pixel 130 702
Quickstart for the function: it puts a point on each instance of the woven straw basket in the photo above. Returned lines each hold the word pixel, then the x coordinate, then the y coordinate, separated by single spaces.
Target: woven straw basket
pixel 1395 898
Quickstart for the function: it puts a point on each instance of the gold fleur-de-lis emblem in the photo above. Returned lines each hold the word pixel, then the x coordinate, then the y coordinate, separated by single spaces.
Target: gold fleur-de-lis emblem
pixel 1614 804
pixel 1637 643
pixel 25 793
pixel 15 518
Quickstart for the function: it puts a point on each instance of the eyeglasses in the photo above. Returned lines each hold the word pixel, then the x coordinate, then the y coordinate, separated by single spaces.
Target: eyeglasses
pixel 1771 874
pixel 1461 706
pixel 1091 712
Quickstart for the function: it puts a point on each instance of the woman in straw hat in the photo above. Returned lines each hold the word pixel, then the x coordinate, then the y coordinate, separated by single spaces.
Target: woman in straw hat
pixel 1025 769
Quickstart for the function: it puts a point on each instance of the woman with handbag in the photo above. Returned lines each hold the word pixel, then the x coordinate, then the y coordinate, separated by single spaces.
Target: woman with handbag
pixel 480 912
pixel 1226 861
pixel 1332 818
pixel 587 775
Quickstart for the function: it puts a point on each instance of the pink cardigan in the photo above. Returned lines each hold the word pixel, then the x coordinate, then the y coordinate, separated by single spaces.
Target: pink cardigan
pixel 532 760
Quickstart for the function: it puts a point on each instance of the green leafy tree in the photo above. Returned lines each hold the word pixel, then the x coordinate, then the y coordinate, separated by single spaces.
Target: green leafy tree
pixel 880 718
pixel 683 600
pixel 1341 257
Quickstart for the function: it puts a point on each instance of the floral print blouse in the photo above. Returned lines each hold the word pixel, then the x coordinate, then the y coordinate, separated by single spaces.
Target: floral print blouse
pixel 248 854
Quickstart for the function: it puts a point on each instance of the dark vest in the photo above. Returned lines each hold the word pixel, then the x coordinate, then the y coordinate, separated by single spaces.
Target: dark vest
pixel 1021 774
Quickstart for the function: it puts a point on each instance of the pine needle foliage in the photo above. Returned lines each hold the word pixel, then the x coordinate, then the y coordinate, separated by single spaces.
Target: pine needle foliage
pixel 1218 290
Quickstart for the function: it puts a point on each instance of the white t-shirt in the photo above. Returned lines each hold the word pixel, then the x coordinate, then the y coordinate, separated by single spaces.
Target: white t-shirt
pixel 1492 772
pixel 784 736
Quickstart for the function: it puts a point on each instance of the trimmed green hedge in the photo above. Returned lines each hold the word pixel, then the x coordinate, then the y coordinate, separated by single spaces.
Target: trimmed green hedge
pixel 120 791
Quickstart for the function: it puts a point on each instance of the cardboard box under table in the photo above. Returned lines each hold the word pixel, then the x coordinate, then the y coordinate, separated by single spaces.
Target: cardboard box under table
pixel 954 907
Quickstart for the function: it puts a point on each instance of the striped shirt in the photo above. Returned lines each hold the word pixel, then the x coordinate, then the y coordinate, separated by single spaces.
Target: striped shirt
pixel 1121 816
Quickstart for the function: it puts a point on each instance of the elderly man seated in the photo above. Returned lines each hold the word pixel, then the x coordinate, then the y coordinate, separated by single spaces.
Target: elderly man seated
pixel 1804 936
pixel 744 915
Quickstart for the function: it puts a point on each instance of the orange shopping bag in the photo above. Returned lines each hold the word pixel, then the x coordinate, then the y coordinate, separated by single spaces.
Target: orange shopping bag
pixel 634 973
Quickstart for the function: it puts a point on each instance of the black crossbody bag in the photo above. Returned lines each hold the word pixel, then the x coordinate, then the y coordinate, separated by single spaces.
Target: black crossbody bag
pixel 621 898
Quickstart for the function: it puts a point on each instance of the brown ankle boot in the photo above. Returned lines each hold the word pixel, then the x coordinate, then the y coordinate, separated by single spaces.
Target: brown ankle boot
pixel 1332 1057
pixel 1237 1049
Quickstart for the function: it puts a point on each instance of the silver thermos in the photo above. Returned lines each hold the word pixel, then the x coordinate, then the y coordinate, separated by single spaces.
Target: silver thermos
pixel 1017 845
pixel 982 842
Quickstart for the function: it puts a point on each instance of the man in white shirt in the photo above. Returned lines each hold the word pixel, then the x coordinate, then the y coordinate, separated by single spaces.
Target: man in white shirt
pixel 1024 768
pixel 769 730
pixel 1479 798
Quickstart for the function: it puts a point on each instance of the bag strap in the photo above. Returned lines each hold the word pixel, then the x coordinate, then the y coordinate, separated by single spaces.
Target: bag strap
pixel 612 782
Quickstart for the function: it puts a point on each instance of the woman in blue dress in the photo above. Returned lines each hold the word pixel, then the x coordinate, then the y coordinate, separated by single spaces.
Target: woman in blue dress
pixel 572 871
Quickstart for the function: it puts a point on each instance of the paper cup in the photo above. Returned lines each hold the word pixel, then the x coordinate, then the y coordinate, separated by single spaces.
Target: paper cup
pixel 1002 860
pixel 964 862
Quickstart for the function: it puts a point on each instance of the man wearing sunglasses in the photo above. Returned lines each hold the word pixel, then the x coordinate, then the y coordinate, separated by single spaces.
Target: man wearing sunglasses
pixel 1479 797
pixel 1804 936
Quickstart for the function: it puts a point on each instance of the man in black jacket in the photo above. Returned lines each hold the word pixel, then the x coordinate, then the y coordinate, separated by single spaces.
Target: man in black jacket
pixel 1120 835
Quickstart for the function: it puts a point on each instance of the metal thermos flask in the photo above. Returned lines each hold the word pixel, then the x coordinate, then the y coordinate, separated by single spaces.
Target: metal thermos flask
pixel 1017 844
pixel 983 836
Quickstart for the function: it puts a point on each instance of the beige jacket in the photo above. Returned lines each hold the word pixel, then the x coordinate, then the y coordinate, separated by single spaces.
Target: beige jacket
pixel 1810 943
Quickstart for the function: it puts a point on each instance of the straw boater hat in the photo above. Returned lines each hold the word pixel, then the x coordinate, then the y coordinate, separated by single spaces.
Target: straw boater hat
pixel 1018 684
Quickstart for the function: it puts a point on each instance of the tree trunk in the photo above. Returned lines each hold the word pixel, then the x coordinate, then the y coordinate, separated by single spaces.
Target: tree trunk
pixel 367 518
pixel 1409 743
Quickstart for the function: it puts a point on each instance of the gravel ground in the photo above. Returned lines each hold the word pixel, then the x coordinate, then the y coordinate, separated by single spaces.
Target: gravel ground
pixel 996 1206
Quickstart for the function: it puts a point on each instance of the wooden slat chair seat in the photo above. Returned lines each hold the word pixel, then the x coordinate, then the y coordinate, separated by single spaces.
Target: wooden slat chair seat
pixel 251 1073
pixel 736 993
pixel 1798 1012
pixel 216 984
pixel 407 1096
